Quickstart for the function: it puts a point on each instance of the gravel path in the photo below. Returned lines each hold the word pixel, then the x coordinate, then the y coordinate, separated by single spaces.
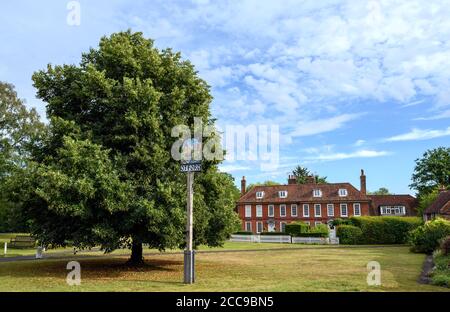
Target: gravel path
pixel 428 265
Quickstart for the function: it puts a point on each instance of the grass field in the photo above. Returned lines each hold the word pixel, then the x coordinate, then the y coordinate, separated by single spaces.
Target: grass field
pixel 310 269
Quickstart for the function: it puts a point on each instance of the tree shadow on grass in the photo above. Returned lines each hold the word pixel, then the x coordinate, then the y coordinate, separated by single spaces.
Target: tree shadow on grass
pixel 92 268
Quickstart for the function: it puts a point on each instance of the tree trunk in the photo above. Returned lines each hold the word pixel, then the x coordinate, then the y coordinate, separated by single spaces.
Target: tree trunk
pixel 136 254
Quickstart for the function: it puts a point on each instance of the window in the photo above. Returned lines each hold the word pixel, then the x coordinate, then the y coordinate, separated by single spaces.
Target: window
pixel 282 194
pixel 283 210
pixel 316 223
pixel 317 193
pixel 259 227
pixel 317 210
pixel 344 212
pixel 259 211
pixel 293 210
pixel 306 210
pixel 248 211
pixel 393 210
pixel 271 211
pixel 307 222
pixel 259 195
pixel 282 226
pixel 330 210
pixel 248 226
pixel 342 192
pixel 356 209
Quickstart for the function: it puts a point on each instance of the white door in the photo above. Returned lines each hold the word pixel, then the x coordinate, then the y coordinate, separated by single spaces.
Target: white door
pixel 271 226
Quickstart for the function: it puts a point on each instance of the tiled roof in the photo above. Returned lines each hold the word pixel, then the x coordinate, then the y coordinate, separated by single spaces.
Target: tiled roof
pixel 408 201
pixel 440 202
pixel 304 193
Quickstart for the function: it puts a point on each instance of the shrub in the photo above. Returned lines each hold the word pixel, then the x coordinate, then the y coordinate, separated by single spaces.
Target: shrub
pixel 340 221
pixel 441 272
pixel 427 237
pixel 296 228
pixel 445 246
pixel 385 230
pixel 320 228
pixel 349 234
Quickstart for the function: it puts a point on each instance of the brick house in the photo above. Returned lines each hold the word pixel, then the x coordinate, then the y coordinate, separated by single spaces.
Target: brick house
pixel 270 208
pixel 440 207
pixel 393 205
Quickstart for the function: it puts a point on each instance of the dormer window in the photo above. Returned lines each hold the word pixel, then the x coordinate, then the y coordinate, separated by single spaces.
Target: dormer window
pixel 317 193
pixel 282 194
pixel 259 195
pixel 342 192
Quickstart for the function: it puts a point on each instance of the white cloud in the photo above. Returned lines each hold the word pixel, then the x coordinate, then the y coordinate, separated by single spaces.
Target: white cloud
pixel 442 115
pixel 231 168
pixel 359 142
pixel 311 127
pixel 418 134
pixel 341 156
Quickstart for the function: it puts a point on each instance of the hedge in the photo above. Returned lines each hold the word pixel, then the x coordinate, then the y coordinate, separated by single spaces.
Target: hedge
pixel 243 233
pixel 349 234
pixel 427 237
pixel 312 234
pixel 296 228
pixel 273 233
pixel 385 230
pixel 300 229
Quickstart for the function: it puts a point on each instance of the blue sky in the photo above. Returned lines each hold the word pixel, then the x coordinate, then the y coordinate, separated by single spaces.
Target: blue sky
pixel 352 84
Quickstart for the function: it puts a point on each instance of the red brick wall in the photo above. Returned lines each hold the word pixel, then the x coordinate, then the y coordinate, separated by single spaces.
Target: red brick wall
pixel 289 218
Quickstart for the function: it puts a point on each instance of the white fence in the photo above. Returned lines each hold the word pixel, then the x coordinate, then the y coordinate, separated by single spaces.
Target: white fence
pixel 309 240
pixel 283 239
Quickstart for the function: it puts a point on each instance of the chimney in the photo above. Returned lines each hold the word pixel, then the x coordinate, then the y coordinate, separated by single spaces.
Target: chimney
pixel 292 179
pixel 243 191
pixel 310 179
pixel 363 183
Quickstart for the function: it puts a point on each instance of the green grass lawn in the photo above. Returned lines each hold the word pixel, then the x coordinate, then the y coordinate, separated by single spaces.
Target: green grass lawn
pixel 14 252
pixel 309 269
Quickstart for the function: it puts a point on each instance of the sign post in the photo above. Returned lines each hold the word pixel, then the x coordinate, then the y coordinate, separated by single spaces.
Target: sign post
pixel 189 254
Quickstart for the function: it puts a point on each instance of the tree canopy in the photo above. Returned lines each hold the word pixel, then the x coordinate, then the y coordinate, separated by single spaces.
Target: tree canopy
pixel 265 183
pixel 104 174
pixel 19 129
pixel 432 171
pixel 380 191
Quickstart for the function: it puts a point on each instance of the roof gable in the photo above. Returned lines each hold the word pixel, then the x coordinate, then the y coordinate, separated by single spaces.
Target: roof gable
pixel 440 202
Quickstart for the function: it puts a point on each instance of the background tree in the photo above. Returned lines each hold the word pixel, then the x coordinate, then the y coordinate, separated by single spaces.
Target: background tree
pixel 265 183
pixel 302 174
pixel 380 191
pixel 19 129
pixel 432 171
pixel 426 200
pixel 104 175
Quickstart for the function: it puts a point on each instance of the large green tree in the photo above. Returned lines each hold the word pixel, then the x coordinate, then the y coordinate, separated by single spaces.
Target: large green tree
pixel 20 127
pixel 104 175
pixel 432 171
